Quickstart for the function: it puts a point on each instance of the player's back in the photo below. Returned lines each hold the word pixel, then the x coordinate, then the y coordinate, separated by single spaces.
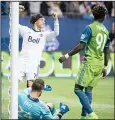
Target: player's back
pixel 29 108
pixel 96 44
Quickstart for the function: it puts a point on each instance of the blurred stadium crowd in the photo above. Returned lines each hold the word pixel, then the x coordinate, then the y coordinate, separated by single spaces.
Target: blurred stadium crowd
pixel 74 9
pixel 63 9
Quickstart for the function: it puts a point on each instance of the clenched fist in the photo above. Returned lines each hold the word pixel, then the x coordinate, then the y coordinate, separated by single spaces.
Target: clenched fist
pixel 62 59
pixel 55 16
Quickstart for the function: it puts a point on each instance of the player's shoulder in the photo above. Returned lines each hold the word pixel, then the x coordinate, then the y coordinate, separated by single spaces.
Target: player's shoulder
pixel 24 27
pixel 88 28
pixel 25 91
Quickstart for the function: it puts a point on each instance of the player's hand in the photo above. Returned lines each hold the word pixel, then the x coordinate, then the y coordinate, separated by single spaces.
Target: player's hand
pixel 54 15
pixel 52 108
pixel 62 59
pixel 63 108
pixel 21 8
pixel 104 73
pixel 47 88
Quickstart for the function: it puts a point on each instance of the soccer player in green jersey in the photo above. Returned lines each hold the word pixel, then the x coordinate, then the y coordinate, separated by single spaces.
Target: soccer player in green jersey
pixel 95 40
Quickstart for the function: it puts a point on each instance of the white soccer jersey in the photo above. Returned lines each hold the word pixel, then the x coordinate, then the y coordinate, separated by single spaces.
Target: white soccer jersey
pixel 34 42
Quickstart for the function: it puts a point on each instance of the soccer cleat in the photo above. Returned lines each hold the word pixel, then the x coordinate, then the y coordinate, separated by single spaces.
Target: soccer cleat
pixel 82 117
pixel 92 116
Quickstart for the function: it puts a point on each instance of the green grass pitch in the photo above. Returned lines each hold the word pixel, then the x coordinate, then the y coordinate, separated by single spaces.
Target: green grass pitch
pixel 103 97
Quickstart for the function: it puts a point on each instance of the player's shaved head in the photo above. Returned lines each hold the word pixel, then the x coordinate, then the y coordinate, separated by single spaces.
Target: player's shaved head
pixel 99 12
pixel 38 85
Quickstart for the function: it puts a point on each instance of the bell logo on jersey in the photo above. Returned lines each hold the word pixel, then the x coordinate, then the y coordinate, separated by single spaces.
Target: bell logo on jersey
pixel 33 40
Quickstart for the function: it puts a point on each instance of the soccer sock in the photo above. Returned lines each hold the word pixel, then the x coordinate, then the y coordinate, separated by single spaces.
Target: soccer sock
pixel 83 113
pixel 89 95
pixel 84 100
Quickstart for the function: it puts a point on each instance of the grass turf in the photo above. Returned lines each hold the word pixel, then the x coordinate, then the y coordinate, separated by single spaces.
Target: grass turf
pixel 63 91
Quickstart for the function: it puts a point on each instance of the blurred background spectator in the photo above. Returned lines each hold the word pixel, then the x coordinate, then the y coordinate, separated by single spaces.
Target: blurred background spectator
pixel 34 8
pixel 71 9
pixel 113 9
pixel 85 10
pixel 26 12
pixel 54 7
pixel 80 9
pixel 112 38
pixel 44 8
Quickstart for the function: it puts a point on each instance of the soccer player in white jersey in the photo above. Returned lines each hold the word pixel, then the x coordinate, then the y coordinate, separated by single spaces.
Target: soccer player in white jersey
pixel 33 44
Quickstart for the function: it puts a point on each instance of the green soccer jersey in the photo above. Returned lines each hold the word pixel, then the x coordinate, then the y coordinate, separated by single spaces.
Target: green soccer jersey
pixel 96 36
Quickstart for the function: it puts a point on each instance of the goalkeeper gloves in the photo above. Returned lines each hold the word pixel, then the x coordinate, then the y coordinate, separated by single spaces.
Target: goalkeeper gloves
pixel 63 108
pixel 47 88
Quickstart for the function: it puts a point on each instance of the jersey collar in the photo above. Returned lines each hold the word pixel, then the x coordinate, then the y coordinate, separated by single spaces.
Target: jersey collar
pixel 33 99
pixel 35 30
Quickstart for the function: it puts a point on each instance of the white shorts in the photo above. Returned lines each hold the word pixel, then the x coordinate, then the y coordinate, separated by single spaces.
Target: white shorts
pixel 28 69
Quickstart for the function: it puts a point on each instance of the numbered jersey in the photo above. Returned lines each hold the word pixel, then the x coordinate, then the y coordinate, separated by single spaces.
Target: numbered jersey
pixel 96 37
pixel 29 108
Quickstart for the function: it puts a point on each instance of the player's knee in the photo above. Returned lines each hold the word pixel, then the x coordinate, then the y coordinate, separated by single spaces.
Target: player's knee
pixel 78 88
pixel 88 89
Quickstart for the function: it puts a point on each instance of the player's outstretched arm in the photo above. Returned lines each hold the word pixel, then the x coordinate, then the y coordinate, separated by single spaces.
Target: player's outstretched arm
pixel 63 110
pixel 75 50
pixel 106 59
pixel 53 34
pixel 85 37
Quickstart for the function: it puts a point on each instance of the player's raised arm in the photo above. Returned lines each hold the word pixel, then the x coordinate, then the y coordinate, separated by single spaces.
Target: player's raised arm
pixel 22 28
pixel 53 34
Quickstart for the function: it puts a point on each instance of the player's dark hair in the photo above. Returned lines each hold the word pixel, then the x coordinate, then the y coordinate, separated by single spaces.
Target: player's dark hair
pixel 38 85
pixel 34 18
pixel 99 12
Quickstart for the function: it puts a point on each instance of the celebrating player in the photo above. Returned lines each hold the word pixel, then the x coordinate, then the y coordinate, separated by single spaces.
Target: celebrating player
pixel 95 40
pixel 31 107
pixel 33 44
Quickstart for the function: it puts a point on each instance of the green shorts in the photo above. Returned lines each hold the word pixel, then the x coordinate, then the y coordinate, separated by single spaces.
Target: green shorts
pixel 88 75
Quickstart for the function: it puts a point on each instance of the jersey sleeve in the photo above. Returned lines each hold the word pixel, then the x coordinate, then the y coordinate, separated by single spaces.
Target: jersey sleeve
pixel 46 113
pixel 22 30
pixel 51 35
pixel 49 116
pixel 86 34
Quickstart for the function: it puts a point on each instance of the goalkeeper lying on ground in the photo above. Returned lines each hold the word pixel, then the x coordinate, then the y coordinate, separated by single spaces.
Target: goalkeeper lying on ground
pixel 31 107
